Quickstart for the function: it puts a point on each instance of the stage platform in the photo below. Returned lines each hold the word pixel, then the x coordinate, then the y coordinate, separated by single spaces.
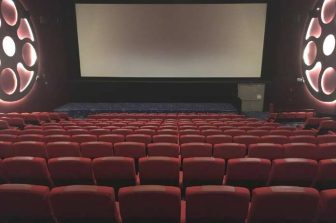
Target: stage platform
pixel 84 109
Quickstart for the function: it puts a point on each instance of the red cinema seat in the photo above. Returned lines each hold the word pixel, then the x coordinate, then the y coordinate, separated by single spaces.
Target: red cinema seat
pixel 31 137
pixel 71 171
pixel 191 138
pixel 99 132
pixel 246 139
pixel 113 138
pixel 32 132
pixel 165 138
pixel 196 149
pixel 26 170
pixel 326 177
pixel 150 132
pixel 8 138
pixel 57 138
pixel 10 131
pixel 30 148
pixel 293 172
pixel 194 131
pixel 121 131
pixel 150 203
pixel 203 171
pixel 283 204
pixel 130 149
pixel 327 206
pixel 278 139
pixel 4 124
pixel 6 149
pixel 84 203
pixel 159 171
pixel 139 138
pixel 302 139
pixel 208 132
pixel 217 139
pixel 83 138
pixel 326 126
pixel 23 203
pixel 326 151
pixel 266 151
pixel 163 149
pixel 248 172
pixel 96 149
pixel 114 171
pixel 55 132
pixel 303 132
pixel 167 131
pixel 282 132
pixel 326 139
pixel 258 132
pixel 234 132
pixel 216 204
pixel 229 150
pixel 77 131
pixel 301 150
pixel 63 149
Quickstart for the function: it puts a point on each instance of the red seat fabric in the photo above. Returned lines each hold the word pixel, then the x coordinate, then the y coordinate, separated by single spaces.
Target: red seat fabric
pixel 130 149
pixel 216 204
pixel 143 138
pixel 326 151
pixel 302 139
pixel 301 150
pixel 30 148
pixel 114 171
pixel 246 139
pixel 63 149
pixel 293 172
pixel 279 139
pixel 203 171
pixel 196 150
pixel 283 204
pixel 6 149
pixel 23 203
pixel 113 138
pixel 326 177
pixel 96 149
pixel 248 172
pixel 191 138
pixel 84 203
pixel 328 206
pixel 71 171
pixel 83 138
pixel 159 171
pixel 266 151
pixel 326 139
pixel 26 170
pixel 8 137
pixel 163 149
pixel 150 203
pixel 217 139
pixel 165 138
pixel 229 150
pixel 57 138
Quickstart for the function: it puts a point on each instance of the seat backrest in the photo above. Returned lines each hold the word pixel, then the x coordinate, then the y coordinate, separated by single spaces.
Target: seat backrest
pixel 257 132
pixel 283 132
pixel 26 170
pixel 191 138
pixel 31 137
pixel 130 149
pixel 114 171
pixel 83 138
pixel 71 171
pixel 293 172
pixel 218 138
pixel 143 138
pixel 301 150
pixel 276 204
pixel 229 150
pixel 326 139
pixel 6 149
pixel 99 132
pixel 30 148
pixel 326 151
pixel 302 139
pixel 279 139
pixel 234 132
pixel 57 138
pixel 150 203
pixel 328 206
pixel 248 172
pixel 63 149
pixel 163 149
pixel 113 138
pixel 216 204
pixel 326 177
pixel 84 203
pixel 21 203
pixel 96 149
pixel 266 151
pixel 304 132
pixel 8 137
pixel 196 150
pixel 168 138
pixel 246 139
pixel 159 171
pixel 203 171
pixel 208 132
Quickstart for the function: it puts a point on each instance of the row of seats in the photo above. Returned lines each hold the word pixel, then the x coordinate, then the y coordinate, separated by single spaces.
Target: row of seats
pixel 36 204
pixel 73 130
pixel 171 138
pixel 121 171
pixel 185 150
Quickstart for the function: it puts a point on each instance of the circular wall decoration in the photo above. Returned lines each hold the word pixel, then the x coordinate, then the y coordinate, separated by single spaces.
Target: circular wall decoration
pixel 18 51
pixel 319 51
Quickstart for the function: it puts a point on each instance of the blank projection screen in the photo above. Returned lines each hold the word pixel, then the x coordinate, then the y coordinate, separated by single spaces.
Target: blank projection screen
pixel 171 40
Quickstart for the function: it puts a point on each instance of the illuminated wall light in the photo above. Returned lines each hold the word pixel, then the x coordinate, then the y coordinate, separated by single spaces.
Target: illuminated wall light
pixel 328 81
pixel 310 53
pixel 328 11
pixel 319 45
pixel 329 45
pixel 9 12
pixel 18 81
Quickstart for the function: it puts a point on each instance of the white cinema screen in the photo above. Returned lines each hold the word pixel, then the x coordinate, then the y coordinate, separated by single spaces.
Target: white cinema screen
pixel 171 40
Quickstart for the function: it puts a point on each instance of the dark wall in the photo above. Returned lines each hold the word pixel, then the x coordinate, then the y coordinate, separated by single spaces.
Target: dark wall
pixel 51 88
pixel 287 22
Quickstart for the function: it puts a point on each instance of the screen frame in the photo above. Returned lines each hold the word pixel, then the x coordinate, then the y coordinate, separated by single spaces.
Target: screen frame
pixel 73 44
